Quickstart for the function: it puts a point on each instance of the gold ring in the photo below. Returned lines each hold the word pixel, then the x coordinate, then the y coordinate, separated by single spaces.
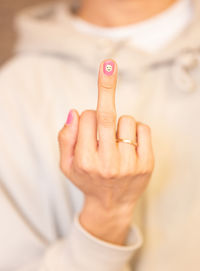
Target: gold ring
pixel 127 141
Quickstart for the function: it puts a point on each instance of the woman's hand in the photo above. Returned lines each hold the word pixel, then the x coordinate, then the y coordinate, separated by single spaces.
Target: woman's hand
pixel 111 175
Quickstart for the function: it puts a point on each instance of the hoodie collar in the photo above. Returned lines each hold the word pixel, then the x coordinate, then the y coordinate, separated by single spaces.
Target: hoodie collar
pixel 48 30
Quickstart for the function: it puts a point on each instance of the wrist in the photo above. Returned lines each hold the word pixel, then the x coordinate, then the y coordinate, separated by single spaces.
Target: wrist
pixel 110 224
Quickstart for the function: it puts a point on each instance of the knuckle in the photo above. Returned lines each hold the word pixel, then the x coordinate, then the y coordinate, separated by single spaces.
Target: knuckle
pixel 146 169
pixel 142 172
pixel 130 172
pixel 109 173
pixel 129 119
pixel 83 164
pixel 133 173
pixel 144 127
pixel 125 170
pixel 62 136
pixel 106 119
pixel 86 113
pixel 106 86
pixel 63 167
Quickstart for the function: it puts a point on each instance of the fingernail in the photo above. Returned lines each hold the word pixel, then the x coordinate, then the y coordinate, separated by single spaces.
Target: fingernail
pixel 69 117
pixel 108 67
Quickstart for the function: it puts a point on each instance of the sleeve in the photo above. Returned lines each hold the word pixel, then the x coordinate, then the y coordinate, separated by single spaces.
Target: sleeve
pixel 81 251
pixel 78 250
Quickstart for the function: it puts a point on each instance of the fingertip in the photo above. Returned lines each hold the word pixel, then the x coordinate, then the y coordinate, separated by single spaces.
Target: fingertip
pixel 72 117
pixel 144 128
pixel 75 112
pixel 108 60
pixel 69 130
pixel 67 138
pixel 108 67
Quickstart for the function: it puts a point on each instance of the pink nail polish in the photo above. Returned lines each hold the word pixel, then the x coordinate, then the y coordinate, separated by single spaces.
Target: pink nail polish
pixel 108 67
pixel 70 117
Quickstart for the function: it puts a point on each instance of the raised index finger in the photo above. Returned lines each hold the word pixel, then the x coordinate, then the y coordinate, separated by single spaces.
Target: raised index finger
pixel 106 111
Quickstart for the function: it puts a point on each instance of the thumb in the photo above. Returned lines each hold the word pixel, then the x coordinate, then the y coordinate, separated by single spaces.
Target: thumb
pixel 67 138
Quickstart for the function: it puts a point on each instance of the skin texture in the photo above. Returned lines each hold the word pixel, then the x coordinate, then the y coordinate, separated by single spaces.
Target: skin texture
pixel 111 175
pixel 113 13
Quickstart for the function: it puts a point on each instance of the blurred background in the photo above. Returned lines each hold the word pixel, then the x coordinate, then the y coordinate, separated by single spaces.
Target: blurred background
pixel 8 10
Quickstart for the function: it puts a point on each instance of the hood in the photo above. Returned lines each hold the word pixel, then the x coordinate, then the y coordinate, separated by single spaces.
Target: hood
pixel 47 30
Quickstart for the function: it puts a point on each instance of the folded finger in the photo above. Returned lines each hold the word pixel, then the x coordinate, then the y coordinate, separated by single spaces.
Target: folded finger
pixel 67 139
pixel 127 130
pixel 87 135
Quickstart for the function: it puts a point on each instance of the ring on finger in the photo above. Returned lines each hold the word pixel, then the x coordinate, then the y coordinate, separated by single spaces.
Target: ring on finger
pixel 127 141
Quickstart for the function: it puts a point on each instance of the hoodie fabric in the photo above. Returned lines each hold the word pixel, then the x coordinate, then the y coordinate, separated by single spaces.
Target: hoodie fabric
pixel 147 35
pixel 55 69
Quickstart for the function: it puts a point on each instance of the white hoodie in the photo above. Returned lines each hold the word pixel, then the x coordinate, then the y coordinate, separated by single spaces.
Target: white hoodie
pixel 56 70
